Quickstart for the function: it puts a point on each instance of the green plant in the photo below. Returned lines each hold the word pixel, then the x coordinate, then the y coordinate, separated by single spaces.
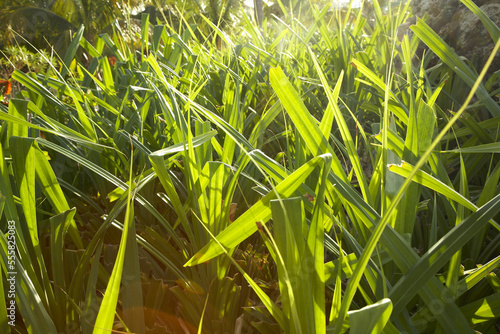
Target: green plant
pixel 20 58
pixel 132 176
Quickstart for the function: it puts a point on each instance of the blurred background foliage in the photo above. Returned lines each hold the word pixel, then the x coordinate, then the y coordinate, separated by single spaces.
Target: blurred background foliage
pixel 49 24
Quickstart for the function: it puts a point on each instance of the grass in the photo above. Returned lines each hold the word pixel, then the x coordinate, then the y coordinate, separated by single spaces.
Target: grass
pixel 317 177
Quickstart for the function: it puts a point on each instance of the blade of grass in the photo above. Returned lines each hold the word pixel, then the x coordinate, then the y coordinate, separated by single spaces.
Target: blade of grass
pixel 344 130
pixel 302 119
pixel 371 318
pixel 431 182
pixel 447 323
pixel 71 51
pixel 492 28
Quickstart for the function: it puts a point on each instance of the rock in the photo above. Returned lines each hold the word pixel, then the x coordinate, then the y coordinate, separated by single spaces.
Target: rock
pixel 462 29
pixel 440 12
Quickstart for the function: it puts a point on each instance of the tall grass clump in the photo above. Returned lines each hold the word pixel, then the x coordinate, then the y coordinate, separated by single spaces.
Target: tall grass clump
pixel 314 175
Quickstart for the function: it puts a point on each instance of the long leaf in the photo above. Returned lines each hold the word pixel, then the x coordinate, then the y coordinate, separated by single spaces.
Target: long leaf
pixel 440 253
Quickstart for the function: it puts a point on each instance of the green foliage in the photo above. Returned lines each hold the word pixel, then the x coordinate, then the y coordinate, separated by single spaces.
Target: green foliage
pixel 314 176
pixel 20 58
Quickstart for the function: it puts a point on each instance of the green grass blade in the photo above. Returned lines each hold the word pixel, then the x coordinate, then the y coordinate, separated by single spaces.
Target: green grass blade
pixel 71 51
pixel 23 156
pixel 47 180
pixel 58 226
pixel 273 309
pixel 289 225
pixel 447 55
pixel 477 149
pixel 379 83
pixel 454 263
pixel 131 292
pixel 444 317
pixel 29 302
pixel 315 250
pixel 477 275
pixel 144 33
pixel 431 182
pixel 302 119
pixel 492 28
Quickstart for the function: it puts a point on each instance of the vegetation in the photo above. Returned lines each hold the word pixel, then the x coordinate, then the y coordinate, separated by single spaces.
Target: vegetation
pixel 50 24
pixel 314 176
